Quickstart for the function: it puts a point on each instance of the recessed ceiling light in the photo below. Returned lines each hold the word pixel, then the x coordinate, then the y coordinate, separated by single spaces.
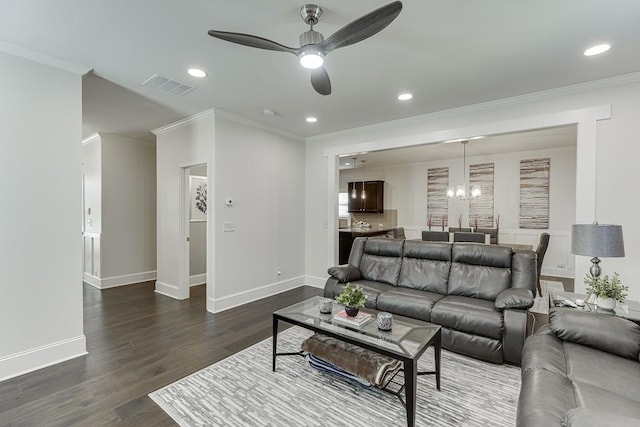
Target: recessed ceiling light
pixel 269 112
pixel 311 119
pixel 196 72
pixel 597 50
pixel 347 163
pixel 405 96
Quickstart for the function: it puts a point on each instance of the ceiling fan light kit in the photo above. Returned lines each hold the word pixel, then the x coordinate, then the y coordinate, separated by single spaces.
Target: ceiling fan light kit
pixel 313 46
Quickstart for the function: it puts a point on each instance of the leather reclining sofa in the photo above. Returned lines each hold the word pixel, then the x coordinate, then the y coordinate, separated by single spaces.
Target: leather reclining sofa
pixel 582 369
pixel 480 294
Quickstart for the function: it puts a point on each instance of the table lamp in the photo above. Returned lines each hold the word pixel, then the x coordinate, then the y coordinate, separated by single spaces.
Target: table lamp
pixel 597 240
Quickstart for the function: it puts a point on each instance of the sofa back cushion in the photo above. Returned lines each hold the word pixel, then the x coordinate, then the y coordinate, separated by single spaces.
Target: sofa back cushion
pixel 479 271
pixel 381 260
pixel 425 266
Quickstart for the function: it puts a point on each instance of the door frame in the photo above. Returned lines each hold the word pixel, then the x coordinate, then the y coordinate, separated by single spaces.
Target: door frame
pixel 184 222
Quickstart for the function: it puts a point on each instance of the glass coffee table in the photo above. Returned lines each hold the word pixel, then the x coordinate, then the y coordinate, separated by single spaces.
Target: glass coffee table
pixel 406 341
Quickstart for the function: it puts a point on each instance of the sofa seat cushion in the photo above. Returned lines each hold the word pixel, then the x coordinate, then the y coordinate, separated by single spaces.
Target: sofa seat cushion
pixel 589 366
pixel 583 417
pixel 408 302
pixel 370 288
pixel 466 314
pixel 592 397
pixel 482 348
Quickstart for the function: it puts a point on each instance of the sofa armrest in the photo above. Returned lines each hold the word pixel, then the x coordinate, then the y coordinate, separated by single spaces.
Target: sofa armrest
pixel 600 331
pixel 514 334
pixel 345 273
pixel 514 298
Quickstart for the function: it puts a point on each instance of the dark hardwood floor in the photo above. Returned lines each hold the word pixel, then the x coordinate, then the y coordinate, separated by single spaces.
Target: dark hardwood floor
pixel 138 341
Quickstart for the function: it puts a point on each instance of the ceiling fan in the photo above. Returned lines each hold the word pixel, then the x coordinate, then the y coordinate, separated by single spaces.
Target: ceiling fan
pixel 313 46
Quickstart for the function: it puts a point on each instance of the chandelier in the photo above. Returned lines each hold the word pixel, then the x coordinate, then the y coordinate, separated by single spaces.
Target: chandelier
pixel 460 191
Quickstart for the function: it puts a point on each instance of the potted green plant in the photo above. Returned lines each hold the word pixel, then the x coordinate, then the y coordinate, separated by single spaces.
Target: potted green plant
pixel 352 297
pixel 607 290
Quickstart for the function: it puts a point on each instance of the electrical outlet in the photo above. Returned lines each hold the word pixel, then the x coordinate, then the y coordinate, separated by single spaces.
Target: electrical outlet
pixel 561 266
pixel 228 227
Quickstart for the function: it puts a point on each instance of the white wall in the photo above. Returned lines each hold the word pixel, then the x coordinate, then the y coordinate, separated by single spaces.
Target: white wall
pixel 120 192
pixel 197 241
pixel 617 159
pixel 180 145
pixel 40 244
pixel 92 171
pixel 128 241
pixel 263 172
pixel 406 190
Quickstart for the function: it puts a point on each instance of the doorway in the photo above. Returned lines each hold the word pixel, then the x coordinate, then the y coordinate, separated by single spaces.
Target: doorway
pixel 195 224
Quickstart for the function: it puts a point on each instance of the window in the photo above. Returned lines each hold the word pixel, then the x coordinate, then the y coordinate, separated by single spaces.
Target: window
pixel 343 205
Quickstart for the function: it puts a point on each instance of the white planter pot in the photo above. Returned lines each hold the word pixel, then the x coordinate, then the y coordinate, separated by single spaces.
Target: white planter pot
pixel 606 303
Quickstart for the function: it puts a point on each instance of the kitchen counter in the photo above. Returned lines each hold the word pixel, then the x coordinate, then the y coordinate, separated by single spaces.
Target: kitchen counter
pixel 373 231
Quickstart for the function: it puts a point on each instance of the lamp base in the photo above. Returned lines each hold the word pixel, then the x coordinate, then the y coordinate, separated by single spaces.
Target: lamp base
pixel 595 269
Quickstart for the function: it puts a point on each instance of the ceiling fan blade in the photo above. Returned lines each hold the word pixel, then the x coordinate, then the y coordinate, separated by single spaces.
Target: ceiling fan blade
pixel 251 41
pixel 363 27
pixel 320 81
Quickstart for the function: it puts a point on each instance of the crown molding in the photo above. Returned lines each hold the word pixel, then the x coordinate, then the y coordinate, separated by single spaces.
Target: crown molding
pixel 41 58
pixel 490 105
pixel 90 138
pixel 195 117
pixel 248 122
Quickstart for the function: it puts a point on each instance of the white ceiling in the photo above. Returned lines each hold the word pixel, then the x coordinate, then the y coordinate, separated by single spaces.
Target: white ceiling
pixel 541 139
pixel 449 53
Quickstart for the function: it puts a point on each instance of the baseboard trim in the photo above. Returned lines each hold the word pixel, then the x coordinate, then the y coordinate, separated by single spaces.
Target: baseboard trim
pixel 92 280
pixel 216 305
pixel 169 290
pixel 316 282
pixel 198 279
pixel 31 360
pixel 115 281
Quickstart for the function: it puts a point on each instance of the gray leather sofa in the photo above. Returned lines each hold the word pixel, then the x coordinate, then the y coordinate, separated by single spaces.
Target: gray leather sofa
pixel 581 370
pixel 479 294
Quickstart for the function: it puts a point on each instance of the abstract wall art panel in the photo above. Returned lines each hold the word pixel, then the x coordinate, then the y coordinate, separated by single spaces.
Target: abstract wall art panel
pixel 481 209
pixel 437 201
pixel 534 193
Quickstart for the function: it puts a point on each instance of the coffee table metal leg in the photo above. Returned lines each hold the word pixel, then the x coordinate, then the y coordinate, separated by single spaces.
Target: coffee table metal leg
pixel 437 350
pixel 275 341
pixel 410 386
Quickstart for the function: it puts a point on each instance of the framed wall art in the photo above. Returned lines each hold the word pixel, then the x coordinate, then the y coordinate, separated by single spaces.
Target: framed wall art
pixel 198 198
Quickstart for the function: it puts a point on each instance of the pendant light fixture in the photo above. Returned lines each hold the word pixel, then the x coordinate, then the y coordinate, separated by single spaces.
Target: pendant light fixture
pixel 363 195
pixel 460 191
pixel 354 193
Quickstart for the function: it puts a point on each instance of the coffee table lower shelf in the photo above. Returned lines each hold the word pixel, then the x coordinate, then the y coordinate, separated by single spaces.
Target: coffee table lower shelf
pixel 410 364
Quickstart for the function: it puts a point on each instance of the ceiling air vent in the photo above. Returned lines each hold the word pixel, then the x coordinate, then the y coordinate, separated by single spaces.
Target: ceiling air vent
pixel 161 82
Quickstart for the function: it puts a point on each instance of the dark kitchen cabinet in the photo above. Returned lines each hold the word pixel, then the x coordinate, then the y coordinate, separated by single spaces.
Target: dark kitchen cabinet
pixel 374 197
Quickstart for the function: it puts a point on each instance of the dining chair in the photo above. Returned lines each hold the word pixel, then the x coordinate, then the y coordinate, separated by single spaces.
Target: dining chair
pixel 456 229
pixel 435 236
pixel 492 232
pixel 541 250
pixel 468 237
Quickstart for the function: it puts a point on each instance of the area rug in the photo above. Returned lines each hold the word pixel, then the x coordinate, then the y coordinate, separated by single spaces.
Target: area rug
pixel 241 390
